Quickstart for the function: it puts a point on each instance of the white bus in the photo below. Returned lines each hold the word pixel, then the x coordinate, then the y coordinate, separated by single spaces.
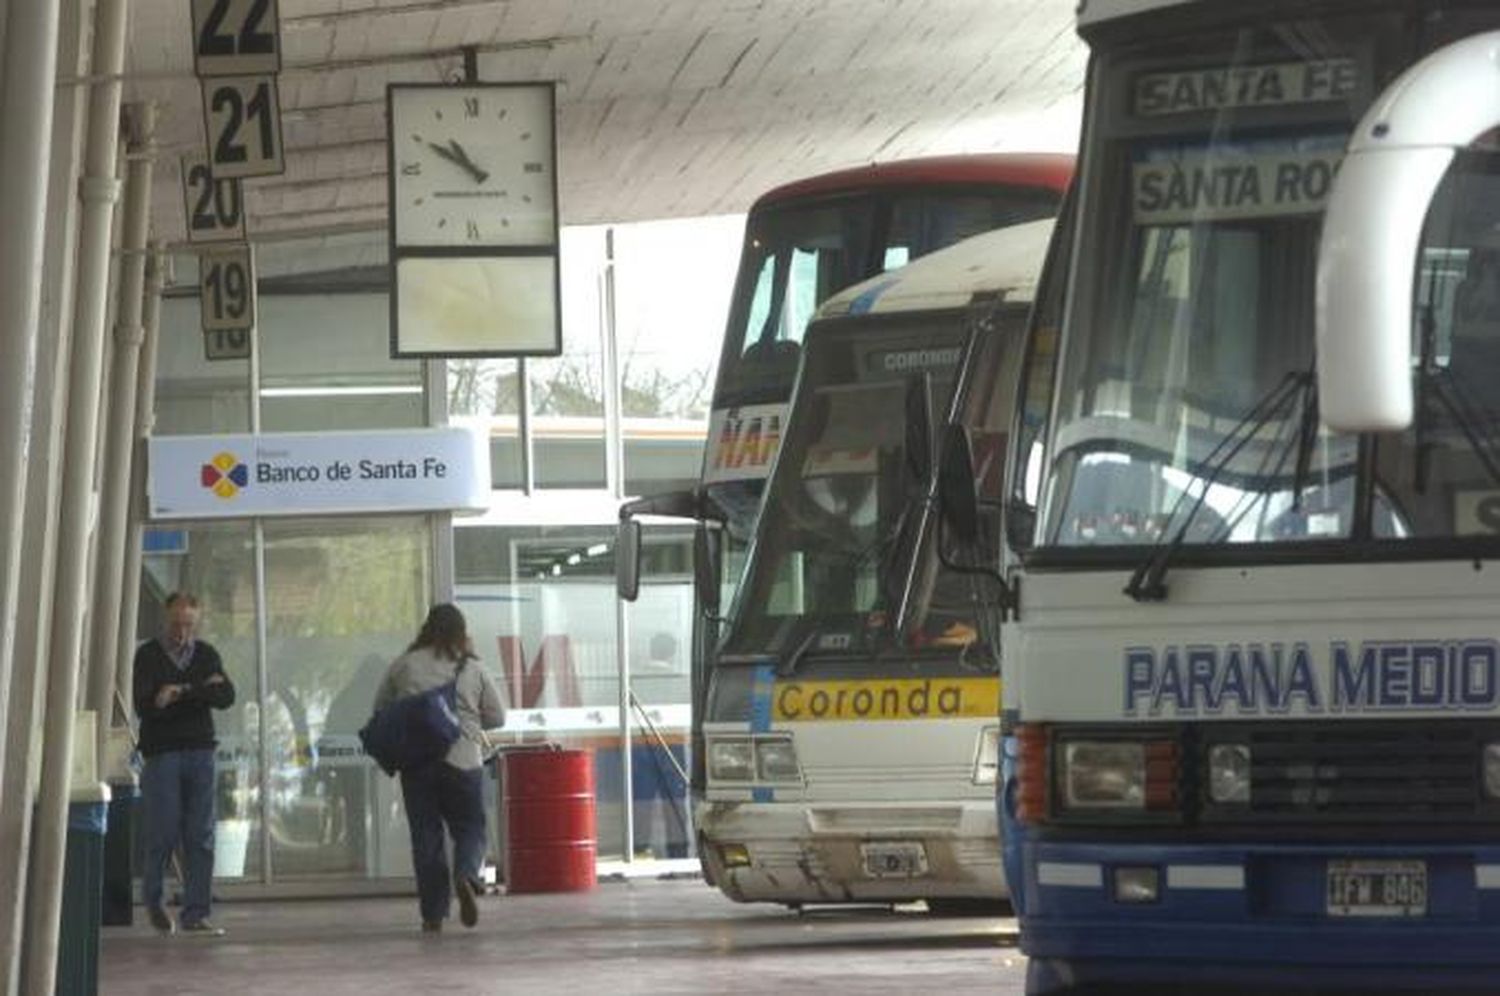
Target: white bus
pixel 850 742
pixel 1254 672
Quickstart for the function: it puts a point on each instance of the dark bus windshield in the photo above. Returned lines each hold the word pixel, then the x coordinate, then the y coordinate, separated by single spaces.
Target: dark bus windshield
pixel 1186 402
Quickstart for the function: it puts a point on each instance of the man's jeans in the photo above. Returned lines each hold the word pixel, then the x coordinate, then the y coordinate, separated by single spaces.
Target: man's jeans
pixel 177 789
pixel 435 794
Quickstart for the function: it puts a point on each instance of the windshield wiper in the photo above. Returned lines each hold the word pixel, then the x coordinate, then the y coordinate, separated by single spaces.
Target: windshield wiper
pixel 1148 581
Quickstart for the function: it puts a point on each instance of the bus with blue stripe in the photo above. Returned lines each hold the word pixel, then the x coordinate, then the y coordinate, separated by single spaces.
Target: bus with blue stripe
pixel 1253 665
pixel 851 720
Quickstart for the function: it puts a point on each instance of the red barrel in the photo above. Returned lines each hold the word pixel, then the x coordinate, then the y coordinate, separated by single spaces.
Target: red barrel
pixel 551 844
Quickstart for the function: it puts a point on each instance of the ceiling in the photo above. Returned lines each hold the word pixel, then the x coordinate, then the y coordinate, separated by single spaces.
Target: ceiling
pixel 666 108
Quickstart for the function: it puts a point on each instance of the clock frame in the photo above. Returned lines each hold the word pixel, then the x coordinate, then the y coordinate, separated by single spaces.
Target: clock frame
pixel 472 194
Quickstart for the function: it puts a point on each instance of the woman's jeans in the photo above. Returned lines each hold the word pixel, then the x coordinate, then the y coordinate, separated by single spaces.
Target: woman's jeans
pixel 439 794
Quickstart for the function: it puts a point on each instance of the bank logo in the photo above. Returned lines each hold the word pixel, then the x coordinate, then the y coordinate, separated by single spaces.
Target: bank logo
pixel 224 475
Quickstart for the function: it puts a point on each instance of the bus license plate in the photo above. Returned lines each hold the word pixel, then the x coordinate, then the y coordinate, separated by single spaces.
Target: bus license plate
pixel 899 859
pixel 1377 888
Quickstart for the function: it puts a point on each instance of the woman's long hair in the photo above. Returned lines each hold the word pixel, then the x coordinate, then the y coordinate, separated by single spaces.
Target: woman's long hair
pixel 446 633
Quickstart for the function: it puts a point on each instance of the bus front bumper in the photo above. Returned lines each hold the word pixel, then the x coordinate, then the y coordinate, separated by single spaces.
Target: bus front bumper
pixel 1257 914
pixel 805 852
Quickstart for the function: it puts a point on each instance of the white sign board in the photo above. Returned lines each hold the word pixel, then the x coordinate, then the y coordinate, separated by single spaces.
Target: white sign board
pixel 214 208
pixel 742 442
pixel 1198 188
pixel 236 37
pixel 1220 88
pixel 318 473
pixel 226 289
pixel 226 344
pixel 242 121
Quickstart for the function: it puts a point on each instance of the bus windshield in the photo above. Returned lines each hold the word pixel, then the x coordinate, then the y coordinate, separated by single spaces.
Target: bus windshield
pixel 798 253
pixel 843 500
pixel 1186 404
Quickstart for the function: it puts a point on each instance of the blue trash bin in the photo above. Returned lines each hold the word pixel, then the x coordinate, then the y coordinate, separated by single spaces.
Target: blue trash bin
pixel 83 891
pixel 119 854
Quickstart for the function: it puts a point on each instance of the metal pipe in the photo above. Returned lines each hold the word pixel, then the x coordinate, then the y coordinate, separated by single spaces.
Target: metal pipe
pixel 30 64
pixel 118 440
pixel 614 479
pixel 145 417
pixel 99 190
pixel 262 638
pixel 18 777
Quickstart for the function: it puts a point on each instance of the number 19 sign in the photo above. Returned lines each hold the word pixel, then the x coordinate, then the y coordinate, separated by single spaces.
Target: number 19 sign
pixel 226 290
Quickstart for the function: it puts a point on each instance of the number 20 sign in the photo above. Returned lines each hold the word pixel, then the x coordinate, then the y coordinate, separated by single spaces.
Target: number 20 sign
pixel 242 115
pixel 226 288
pixel 215 207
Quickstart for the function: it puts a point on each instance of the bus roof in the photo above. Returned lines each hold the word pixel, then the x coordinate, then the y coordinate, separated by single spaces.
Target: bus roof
pixel 1091 12
pixel 1005 261
pixel 1026 169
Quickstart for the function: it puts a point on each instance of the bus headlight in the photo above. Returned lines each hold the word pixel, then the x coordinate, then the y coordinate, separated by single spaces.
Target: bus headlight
pixel 1104 775
pixel 1229 773
pixel 731 760
pixel 1492 770
pixel 987 759
pixel 776 760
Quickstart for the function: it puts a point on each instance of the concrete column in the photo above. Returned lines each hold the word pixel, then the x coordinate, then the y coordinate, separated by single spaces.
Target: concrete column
pixel 19 776
pixel 118 441
pixel 99 190
pixel 27 77
pixel 145 418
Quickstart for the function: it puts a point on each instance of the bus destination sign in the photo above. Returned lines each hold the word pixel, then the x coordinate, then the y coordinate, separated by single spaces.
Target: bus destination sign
pixel 1222 88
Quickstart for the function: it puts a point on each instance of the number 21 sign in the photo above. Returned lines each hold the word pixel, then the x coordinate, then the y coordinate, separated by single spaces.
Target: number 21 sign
pixel 243 119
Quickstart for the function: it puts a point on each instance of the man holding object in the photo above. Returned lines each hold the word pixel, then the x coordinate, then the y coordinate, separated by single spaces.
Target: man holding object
pixel 178 679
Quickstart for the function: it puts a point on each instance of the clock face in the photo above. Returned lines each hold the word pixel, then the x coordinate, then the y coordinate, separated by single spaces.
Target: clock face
pixel 472 165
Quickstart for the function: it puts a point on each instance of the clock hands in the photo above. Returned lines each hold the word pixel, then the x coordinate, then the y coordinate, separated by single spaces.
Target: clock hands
pixel 456 154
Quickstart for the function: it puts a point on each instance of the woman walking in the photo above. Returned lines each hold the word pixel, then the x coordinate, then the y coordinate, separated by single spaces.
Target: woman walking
pixel 447 791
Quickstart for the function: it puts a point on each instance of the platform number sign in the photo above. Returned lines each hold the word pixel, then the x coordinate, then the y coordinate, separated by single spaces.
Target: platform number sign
pixel 226 290
pixel 243 119
pixel 236 37
pixel 215 208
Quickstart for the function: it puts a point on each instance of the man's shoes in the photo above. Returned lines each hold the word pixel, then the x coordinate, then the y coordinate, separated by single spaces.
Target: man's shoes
pixel 432 926
pixel 202 929
pixel 468 907
pixel 160 919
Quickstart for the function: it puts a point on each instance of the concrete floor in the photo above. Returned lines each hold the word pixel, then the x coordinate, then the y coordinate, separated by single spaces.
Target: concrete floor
pixel 641 936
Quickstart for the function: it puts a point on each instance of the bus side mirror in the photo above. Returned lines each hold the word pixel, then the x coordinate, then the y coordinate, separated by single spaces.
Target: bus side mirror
pixel 628 559
pixel 1372 230
pixel 958 491
pixel 708 545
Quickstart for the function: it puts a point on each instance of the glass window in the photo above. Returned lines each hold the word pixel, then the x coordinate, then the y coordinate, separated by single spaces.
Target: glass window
pixel 215 562
pixel 672 289
pixel 344 597
pixel 487 394
pixel 1441 477
pixel 195 396
pixel 326 366
pixel 567 393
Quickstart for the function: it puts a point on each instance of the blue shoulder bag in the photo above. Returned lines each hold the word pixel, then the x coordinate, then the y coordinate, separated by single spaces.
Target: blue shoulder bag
pixel 414 730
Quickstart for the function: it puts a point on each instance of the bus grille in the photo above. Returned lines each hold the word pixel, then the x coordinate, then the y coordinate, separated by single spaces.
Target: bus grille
pixel 1409 772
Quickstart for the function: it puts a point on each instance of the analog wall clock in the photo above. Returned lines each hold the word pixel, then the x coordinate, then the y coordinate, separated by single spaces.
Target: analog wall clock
pixel 473 220
pixel 472 165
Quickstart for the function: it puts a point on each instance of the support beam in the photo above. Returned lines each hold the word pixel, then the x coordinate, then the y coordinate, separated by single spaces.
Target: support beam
pixel 19 777
pixel 99 190
pixel 26 99
pixel 145 418
pixel 118 440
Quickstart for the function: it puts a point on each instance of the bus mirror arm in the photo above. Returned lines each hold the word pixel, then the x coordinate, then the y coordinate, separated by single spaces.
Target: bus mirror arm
pixel 1372 229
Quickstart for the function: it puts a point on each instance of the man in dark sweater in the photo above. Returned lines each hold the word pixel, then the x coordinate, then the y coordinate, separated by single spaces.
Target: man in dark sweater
pixel 178 679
